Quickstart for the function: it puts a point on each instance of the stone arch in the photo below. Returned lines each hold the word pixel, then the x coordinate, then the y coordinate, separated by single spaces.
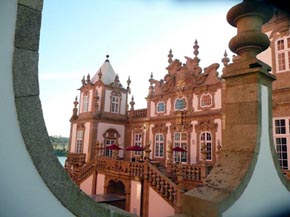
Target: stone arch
pixel 30 116
pixel 116 187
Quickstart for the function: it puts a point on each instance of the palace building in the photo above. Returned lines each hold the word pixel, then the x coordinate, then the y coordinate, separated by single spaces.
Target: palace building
pixel 143 160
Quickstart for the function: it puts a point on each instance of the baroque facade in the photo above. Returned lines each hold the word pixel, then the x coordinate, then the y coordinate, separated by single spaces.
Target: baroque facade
pixel 180 131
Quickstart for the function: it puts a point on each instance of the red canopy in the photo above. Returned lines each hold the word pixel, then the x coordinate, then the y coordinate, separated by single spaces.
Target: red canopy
pixel 178 149
pixel 134 148
pixel 113 147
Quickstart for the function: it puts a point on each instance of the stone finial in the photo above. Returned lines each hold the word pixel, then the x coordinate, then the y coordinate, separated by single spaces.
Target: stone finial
pixel 132 103
pixel 225 59
pixel 100 74
pixel 196 52
pixel 128 84
pixel 248 17
pixel 75 109
pixel 83 81
pixel 107 58
pixel 170 55
pixel 88 79
pixel 117 78
pixel 147 151
pixel 97 98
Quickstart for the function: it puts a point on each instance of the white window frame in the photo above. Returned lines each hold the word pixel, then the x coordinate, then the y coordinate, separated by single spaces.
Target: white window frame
pixel 108 142
pixel 159 146
pixel 115 104
pixel 85 103
pixel 180 140
pixel 285 52
pixel 281 134
pixel 79 141
pixel 204 138
pixel 138 141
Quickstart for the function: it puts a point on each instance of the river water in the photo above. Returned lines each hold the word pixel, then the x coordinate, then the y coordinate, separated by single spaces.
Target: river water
pixel 61 160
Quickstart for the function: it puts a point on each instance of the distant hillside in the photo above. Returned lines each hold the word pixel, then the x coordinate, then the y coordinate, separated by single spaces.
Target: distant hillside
pixel 59 144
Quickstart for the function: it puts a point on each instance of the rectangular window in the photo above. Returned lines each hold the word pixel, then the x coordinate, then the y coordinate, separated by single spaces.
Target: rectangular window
pixel 115 104
pixel 283 54
pixel 180 140
pixel 109 142
pixel 280 126
pixel 280 44
pixel 159 145
pixel 138 142
pixel 85 103
pixel 281 149
pixel 79 142
pixel 207 140
pixel 282 140
pixel 281 61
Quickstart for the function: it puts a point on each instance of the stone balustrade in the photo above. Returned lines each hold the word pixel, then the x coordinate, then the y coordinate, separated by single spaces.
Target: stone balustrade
pixel 192 172
pixel 162 184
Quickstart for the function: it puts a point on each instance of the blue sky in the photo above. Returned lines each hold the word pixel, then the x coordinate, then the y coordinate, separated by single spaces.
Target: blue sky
pixel 77 35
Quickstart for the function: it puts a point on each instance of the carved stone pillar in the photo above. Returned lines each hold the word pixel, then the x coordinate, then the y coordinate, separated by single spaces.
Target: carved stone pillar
pixel 245 79
pixel 170 158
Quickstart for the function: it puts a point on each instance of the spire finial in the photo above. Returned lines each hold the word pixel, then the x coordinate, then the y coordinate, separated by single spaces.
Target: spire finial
pixel 83 81
pixel 100 74
pixel 132 103
pixel 170 55
pixel 196 52
pixel 128 84
pixel 75 109
pixel 88 79
pixel 195 48
pixel 225 60
pixel 107 58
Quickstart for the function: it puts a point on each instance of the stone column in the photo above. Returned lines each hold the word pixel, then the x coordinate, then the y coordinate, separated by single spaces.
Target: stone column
pixel 170 159
pixel 180 189
pixel 244 79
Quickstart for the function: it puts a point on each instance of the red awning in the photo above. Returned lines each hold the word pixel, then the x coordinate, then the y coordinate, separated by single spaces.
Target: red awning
pixel 113 147
pixel 134 148
pixel 178 149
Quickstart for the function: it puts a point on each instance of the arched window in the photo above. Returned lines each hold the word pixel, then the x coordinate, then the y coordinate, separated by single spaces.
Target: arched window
pixel 159 145
pixel 160 107
pixel 283 54
pixel 180 140
pixel 206 138
pixel 180 104
pixel 206 100
pixel 85 102
pixel 79 141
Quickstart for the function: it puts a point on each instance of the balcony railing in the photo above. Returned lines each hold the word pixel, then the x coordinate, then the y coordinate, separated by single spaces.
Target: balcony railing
pixel 140 113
